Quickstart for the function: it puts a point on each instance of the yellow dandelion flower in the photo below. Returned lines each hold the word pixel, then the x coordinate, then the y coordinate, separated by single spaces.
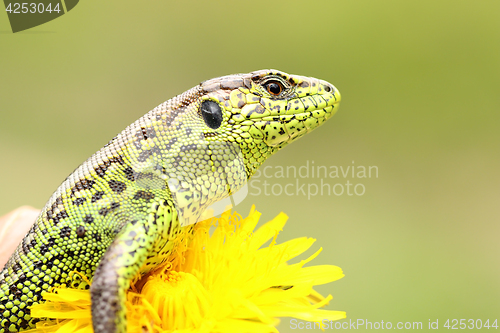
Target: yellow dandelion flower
pixel 224 281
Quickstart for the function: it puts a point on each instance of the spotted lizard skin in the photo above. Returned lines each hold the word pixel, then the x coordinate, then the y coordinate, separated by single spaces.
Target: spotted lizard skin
pixel 121 212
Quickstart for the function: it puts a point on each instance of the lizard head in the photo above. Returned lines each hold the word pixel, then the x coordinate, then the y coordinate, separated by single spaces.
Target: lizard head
pixel 264 111
pixel 211 139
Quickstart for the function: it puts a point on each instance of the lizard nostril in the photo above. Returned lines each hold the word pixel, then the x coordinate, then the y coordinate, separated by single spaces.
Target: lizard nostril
pixel 328 88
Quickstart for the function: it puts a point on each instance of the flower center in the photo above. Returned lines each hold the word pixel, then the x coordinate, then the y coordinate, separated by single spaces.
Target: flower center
pixel 178 298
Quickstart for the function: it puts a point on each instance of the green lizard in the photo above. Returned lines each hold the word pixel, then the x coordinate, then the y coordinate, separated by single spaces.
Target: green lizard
pixel 120 212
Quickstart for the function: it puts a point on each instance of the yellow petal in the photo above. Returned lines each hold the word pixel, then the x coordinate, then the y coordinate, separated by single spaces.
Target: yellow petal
pixel 290 249
pixel 268 231
pixel 69 295
pixel 315 275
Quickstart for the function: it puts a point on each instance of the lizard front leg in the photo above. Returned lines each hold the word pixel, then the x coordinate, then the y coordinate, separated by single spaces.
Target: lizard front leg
pixel 139 247
pixel 113 275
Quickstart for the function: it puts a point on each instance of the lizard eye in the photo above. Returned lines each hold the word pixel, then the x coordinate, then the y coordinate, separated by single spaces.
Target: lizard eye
pixel 211 113
pixel 274 88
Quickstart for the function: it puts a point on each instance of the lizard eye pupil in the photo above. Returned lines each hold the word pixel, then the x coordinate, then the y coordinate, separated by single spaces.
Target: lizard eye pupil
pixel 274 88
pixel 211 113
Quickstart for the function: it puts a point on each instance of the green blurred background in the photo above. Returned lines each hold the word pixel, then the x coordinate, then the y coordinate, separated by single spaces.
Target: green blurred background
pixel 420 87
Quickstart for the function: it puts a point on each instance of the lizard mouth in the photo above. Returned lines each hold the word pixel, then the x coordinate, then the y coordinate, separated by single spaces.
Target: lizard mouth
pixel 303 114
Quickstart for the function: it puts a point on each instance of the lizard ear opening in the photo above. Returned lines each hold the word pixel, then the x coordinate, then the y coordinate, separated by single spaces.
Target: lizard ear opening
pixel 211 113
